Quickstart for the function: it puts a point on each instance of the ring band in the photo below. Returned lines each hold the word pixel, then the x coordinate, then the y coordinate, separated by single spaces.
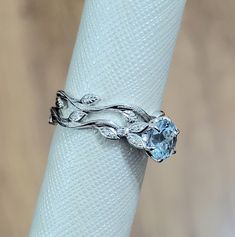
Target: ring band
pixel 156 135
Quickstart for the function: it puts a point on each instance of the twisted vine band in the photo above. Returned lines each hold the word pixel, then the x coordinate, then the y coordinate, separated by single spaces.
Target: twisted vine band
pixel 156 135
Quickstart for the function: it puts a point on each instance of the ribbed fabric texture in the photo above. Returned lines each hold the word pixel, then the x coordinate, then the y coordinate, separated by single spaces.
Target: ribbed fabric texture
pixel 123 52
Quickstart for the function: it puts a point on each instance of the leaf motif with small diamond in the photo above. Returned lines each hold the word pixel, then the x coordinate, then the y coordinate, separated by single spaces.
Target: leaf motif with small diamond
pixel 108 132
pixel 89 99
pixel 76 116
pixel 130 116
pixel 138 127
pixel 135 140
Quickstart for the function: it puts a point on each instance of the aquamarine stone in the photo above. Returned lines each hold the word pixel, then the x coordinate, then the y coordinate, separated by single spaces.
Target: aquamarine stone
pixel 160 139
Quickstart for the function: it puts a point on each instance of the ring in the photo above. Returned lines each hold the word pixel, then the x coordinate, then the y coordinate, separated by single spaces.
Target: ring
pixel 154 134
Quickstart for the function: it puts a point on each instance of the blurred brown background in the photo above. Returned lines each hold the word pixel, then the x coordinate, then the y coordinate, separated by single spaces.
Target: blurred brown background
pixel 196 195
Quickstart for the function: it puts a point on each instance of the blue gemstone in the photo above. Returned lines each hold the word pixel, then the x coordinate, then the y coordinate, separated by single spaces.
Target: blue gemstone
pixel 161 138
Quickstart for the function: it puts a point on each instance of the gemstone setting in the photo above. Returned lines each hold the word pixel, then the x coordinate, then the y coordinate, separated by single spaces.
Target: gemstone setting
pixel 160 138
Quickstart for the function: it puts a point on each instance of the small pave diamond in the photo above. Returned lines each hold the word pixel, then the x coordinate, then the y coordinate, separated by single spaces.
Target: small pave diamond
pixel 160 139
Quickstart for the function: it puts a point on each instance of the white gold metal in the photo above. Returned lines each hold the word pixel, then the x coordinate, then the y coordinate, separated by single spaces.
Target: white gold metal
pixel 70 112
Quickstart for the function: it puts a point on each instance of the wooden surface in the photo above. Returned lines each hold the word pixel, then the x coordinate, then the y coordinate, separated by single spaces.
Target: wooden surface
pixel 192 195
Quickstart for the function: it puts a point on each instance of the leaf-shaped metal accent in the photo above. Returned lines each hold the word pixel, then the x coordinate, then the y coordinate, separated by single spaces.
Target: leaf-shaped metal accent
pixel 76 116
pixel 135 140
pixel 138 127
pixel 60 103
pixel 108 132
pixel 89 99
pixel 130 116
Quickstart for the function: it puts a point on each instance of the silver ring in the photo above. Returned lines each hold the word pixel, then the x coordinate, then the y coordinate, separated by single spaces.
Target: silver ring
pixel 154 134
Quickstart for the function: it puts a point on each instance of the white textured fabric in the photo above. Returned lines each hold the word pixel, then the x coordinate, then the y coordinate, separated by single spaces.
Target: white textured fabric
pixel 91 185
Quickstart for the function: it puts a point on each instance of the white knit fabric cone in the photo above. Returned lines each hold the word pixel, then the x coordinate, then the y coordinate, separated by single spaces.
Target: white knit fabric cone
pixel 123 52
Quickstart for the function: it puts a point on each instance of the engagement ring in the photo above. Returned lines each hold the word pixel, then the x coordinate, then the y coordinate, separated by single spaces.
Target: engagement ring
pixel 154 134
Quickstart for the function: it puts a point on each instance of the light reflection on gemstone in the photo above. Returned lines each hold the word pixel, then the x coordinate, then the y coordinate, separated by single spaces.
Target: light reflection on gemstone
pixel 160 139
